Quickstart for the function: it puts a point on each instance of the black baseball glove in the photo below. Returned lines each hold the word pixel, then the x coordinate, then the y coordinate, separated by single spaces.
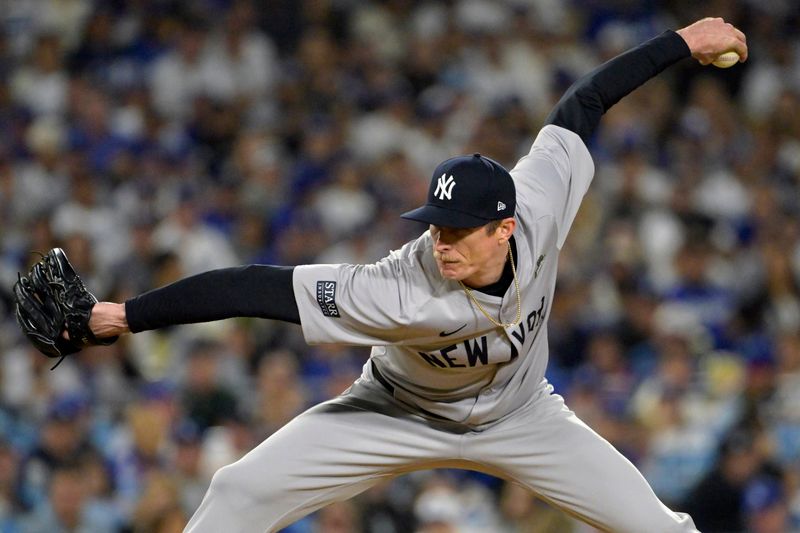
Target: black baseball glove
pixel 51 299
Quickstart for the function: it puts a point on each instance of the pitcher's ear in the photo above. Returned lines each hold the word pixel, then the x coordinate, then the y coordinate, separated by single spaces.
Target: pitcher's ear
pixel 506 228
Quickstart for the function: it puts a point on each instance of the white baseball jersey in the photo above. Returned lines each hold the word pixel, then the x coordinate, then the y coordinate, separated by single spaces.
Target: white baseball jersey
pixel 441 354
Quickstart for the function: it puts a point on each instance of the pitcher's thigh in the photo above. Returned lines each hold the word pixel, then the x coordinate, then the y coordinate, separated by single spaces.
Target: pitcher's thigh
pixel 560 458
pixel 330 453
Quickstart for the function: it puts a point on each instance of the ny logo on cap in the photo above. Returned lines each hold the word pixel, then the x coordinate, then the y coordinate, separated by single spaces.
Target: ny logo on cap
pixel 444 187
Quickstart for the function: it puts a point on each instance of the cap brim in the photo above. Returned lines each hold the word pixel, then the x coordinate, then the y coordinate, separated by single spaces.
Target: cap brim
pixel 439 216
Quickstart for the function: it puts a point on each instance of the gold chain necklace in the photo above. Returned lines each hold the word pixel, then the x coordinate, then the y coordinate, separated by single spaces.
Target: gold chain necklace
pixel 519 297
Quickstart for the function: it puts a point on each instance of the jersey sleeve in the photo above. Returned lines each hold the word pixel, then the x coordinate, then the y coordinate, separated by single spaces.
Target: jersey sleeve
pixel 354 304
pixel 553 177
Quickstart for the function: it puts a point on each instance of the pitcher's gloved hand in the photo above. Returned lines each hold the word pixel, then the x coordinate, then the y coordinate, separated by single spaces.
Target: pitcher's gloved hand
pixel 52 298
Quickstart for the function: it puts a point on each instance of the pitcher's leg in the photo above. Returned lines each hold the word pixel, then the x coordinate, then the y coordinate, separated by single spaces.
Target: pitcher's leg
pixel 549 450
pixel 330 453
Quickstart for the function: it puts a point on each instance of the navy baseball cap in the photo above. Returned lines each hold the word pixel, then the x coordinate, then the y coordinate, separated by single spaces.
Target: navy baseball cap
pixel 466 192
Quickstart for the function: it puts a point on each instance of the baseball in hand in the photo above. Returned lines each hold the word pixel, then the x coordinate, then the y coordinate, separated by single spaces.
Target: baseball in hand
pixel 728 59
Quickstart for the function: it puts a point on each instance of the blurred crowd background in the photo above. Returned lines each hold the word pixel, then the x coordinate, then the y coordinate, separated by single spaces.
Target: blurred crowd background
pixel 155 139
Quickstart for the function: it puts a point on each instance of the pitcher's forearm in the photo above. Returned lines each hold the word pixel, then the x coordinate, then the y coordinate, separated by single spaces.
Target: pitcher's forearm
pixel 260 291
pixel 581 107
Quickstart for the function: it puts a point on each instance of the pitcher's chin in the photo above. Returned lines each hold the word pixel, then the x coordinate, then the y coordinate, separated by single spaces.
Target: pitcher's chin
pixel 451 271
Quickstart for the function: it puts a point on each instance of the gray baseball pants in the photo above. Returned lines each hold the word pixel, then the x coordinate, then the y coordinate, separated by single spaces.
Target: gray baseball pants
pixel 342 447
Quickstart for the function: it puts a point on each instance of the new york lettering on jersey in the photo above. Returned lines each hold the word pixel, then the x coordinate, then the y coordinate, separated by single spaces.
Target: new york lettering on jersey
pixel 491 348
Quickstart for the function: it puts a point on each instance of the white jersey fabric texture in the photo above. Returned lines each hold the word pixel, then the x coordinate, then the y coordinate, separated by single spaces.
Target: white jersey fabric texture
pixel 442 356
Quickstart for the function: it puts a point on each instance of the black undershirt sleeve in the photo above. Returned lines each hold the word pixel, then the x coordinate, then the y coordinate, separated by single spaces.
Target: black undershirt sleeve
pixel 583 104
pixel 260 291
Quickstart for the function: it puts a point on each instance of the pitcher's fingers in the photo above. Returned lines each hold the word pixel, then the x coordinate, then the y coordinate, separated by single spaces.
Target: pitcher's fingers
pixel 740 46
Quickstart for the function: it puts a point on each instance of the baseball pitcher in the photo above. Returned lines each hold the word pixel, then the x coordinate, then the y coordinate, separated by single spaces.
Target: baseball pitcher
pixel 457 322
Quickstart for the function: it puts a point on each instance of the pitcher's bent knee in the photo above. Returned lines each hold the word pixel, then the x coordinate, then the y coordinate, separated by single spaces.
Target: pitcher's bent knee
pixel 233 503
pixel 232 484
pixel 229 486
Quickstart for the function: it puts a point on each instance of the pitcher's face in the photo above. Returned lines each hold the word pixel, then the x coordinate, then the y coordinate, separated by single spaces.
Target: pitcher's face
pixel 464 254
